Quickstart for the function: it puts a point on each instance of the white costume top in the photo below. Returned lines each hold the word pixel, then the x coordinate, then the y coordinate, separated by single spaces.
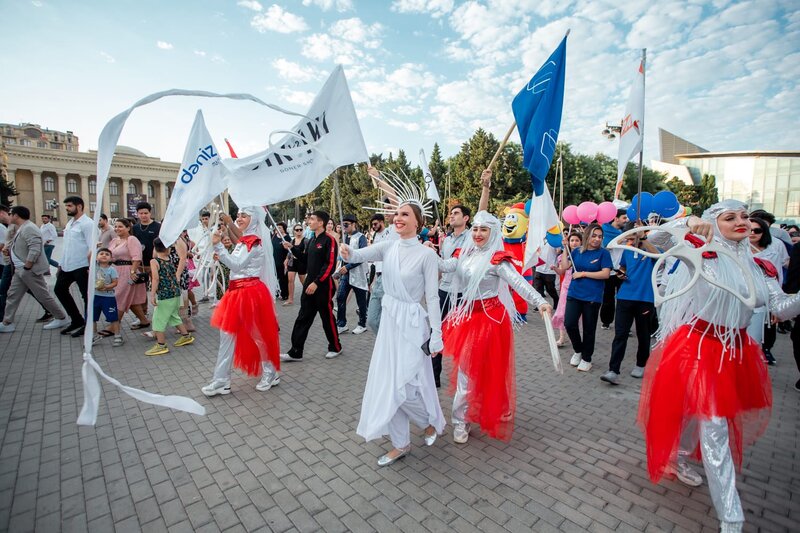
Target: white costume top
pixel 398 359
pixel 243 264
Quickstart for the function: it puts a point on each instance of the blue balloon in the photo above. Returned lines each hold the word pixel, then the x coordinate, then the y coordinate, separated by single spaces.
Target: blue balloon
pixel 554 239
pixel 666 204
pixel 646 207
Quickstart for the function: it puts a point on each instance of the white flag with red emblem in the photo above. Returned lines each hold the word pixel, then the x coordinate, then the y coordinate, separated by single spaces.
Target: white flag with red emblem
pixel 632 134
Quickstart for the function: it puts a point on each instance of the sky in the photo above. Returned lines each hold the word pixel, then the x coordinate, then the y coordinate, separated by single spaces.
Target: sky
pixel 720 73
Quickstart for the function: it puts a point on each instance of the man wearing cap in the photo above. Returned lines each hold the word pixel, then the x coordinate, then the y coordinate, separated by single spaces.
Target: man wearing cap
pixel 352 276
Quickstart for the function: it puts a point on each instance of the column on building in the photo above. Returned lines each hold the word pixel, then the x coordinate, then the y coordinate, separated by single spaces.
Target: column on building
pixel 62 193
pixel 161 188
pixel 38 197
pixel 87 200
pixel 123 197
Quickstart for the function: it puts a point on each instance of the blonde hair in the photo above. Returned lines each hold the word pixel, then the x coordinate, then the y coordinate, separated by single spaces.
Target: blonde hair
pixel 587 234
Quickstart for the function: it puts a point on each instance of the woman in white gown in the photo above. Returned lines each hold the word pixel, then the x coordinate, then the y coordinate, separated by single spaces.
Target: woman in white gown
pixel 400 386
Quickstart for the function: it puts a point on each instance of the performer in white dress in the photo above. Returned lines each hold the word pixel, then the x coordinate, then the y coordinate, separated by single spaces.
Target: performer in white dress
pixel 400 386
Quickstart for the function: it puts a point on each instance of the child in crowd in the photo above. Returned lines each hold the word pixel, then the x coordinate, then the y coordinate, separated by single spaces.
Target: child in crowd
pixel 165 295
pixel 105 301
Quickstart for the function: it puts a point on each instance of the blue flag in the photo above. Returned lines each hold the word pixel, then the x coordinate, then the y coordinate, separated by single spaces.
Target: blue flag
pixel 537 109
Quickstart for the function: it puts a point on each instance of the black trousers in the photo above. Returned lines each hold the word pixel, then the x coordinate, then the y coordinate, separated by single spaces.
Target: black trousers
pixel 320 303
pixel 436 361
pixel 64 281
pixel 283 280
pixel 546 282
pixel 795 336
pixel 609 297
pixel 628 312
pixel 770 335
pixel 587 313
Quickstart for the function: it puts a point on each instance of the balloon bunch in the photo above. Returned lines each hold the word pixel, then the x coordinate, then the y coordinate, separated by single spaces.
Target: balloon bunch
pixel 664 204
pixel 588 212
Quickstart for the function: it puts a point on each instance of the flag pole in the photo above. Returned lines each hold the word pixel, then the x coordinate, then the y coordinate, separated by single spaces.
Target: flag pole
pixel 502 145
pixel 641 151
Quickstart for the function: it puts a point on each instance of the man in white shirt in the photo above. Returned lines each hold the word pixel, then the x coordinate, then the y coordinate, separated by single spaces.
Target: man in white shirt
pixel 6 269
pixel 544 279
pixel 78 244
pixel 49 236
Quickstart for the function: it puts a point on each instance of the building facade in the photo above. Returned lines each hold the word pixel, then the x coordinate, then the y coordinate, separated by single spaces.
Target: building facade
pixel 45 175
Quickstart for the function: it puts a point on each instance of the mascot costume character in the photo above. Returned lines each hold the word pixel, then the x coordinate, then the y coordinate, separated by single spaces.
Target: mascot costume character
pixel 515 232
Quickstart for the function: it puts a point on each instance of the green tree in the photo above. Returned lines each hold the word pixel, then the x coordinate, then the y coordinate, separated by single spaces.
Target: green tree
pixel 688 195
pixel 708 192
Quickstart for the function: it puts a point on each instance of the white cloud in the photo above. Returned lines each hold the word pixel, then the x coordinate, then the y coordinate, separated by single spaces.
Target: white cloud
pixel 405 110
pixel 216 58
pixel 107 57
pixel 323 47
pixel 164 45
pixel 278 20
pixel 326 5
pixel 434 8
pixel 300 98
pixel 200 53
pixel 356 31
pixel 250 4
pixel 294 72
pixel 408 126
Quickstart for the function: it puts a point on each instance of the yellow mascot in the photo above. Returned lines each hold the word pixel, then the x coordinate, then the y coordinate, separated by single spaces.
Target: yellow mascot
pixel 515 232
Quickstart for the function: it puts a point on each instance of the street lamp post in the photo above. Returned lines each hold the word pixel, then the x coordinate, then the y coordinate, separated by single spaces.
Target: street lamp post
pixel 612 130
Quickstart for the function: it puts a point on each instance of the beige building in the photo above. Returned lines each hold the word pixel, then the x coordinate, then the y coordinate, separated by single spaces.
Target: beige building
pixel 46 167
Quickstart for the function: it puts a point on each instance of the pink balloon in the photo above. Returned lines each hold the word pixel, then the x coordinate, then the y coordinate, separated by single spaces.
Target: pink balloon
pixel 587 211
pixel 606 212
pixel 570 215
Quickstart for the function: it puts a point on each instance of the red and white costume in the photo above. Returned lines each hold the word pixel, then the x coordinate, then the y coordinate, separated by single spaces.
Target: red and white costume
pixel 478 333
pixel 706 389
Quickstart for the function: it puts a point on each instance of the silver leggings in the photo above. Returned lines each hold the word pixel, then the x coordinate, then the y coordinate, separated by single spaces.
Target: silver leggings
pixel 222 370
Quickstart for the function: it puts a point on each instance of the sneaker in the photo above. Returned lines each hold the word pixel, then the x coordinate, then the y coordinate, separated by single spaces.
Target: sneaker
pixel 57 324
pixel 359 330
pixel 118 341
pixel 460 433
pixel 288 358
pixel 184 340
pixel 731 527
pixel 333 355
pixel 7 328
pixel 342 329
pixel 769 357
pixel 96 339
pixel 575 360
pixel 268 381
pixel 217 387
pixel 45 317
pixel 609 377
pixel 157 349
pixel 72 326
pixel 75 333
pixel 605 326
pixel 584 366
pixel 685 474
pixel 637 372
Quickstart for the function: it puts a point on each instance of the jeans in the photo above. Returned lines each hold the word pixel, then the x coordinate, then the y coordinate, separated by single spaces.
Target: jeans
pixel 375 302
pixel 48 252
pixel 628 312
pixel 587 312
pixel 546 282
pixel 341 302
pixel 6 273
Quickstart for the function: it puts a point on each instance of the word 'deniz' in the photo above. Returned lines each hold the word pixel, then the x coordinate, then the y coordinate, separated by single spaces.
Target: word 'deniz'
pixel 311 128
pixel 205 155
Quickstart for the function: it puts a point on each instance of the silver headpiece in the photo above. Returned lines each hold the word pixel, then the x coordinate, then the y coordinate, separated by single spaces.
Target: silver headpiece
pixel 399 190
pixel 718 208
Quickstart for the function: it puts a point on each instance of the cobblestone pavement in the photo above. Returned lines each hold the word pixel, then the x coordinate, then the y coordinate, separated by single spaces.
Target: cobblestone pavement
pixel 289 459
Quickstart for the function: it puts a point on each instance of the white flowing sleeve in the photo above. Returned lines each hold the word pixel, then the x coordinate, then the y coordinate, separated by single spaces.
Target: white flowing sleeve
pixel 519 285
pixel 242 260
pixel 781 305
pixel 370 253
pixel 430 273
pixel 448 265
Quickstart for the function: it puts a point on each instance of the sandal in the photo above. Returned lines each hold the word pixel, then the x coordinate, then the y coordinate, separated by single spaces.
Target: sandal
pixel 140 326
pixel 105 333
pixel 149 334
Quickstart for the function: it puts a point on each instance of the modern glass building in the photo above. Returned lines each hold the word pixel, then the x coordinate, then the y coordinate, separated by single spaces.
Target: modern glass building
pixel 765 180
pixel 768 180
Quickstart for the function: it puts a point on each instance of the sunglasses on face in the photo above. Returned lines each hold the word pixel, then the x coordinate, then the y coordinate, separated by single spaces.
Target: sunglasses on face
pixel 298 229
pixel 757 231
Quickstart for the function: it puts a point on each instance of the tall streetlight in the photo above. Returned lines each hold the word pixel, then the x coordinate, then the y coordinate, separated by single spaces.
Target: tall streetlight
pixel 612 130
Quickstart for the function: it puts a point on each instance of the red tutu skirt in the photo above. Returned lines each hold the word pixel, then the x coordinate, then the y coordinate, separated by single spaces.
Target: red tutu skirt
pixel 482 346
pixel 679 388
pixel 246 311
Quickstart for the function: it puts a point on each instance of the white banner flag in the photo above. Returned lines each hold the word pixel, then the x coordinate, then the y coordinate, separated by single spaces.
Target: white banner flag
pixel 632 133
pixel 327 138
pixel 200 179
pixel 430 185
pixel 543 219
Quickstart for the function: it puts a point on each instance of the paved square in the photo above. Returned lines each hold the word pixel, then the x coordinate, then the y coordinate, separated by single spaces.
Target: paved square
pixel 289 459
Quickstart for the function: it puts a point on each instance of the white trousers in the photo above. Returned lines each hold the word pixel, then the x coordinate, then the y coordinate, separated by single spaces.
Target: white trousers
pixel 721 474
pixel 222 370
pixel 412 410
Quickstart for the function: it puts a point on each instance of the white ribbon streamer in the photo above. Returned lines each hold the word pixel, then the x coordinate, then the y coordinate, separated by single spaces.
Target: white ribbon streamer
pixel 551 340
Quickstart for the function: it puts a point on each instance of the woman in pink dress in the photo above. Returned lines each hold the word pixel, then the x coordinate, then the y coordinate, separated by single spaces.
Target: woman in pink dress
pixel 566 273
pixel 126 251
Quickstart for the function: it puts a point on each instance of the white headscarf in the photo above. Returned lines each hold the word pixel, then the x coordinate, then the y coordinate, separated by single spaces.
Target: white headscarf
pixel 482 261
pixel 722 309
pixel 258 227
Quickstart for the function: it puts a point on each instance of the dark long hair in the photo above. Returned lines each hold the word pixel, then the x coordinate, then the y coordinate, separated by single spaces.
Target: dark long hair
pixel 766 236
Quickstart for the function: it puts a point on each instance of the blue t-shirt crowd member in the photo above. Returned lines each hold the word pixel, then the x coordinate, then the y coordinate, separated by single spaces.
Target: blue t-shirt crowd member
pixel 591 267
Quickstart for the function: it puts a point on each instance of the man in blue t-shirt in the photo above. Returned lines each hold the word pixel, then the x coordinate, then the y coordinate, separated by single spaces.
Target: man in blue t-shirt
pixel 611 230
pixel 634 304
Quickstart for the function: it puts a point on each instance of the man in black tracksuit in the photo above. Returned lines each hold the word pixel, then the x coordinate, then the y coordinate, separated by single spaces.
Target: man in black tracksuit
pixel 318 289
